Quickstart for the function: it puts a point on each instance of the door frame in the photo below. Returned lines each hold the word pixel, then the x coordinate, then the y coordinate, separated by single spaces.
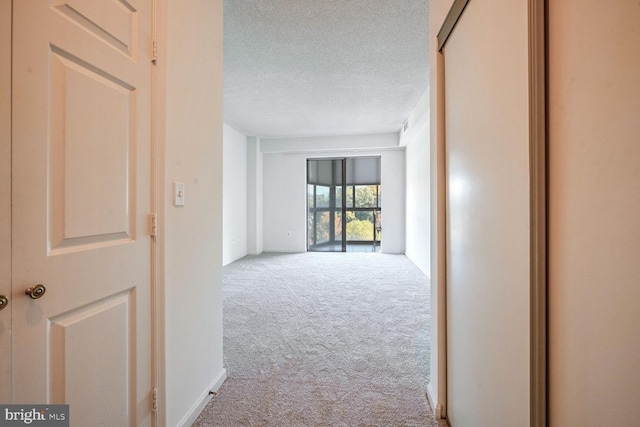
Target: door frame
pixel 158 138
pixel 6 29
pixel 538 171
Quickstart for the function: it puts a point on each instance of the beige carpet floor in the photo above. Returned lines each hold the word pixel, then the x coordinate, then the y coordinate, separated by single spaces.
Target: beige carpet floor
pixel 324 339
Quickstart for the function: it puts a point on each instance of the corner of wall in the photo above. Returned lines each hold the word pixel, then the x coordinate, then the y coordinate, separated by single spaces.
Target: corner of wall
pixel 254 196
pixel 235 202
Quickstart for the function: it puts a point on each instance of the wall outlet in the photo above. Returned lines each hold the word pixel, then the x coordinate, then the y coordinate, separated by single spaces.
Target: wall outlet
pixel 288 234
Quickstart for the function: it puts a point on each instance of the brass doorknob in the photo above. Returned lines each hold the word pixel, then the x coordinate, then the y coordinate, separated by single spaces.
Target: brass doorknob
pixel 4 301
pixel 36 292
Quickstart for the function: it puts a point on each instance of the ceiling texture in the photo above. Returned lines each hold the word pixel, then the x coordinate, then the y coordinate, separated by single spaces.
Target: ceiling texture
pixel 297 68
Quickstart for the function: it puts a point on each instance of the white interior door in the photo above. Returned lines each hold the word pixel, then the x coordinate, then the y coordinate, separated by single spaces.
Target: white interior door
pixel 81 199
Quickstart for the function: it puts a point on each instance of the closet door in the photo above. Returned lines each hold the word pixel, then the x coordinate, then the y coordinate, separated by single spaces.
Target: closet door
pixel 488 215
pixel 81 203
pixel 594 206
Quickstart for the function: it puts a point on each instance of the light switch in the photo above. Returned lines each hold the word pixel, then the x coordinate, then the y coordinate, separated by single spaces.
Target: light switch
pixel 178 193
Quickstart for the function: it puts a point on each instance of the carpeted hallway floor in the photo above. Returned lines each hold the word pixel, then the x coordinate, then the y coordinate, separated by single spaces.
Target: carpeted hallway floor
pixel 324 339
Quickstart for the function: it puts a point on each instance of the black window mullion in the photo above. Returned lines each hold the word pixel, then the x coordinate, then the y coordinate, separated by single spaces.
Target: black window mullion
pixel 344 205
pixel 315 219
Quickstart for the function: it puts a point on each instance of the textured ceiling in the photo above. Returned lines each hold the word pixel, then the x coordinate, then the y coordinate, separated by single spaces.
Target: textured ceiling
pixel 323 67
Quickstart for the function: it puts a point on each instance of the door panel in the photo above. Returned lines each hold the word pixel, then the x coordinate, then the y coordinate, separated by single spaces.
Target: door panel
pixel 83 354
pixel 594 201
pixel 103 151
pixel 112 21
pixel 487 224
pixel 81 198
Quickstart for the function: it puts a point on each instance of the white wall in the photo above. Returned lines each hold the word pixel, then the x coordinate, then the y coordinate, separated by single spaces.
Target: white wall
pixel 254 196
pixel 284 197
pixel 234 200
pixel 594 206
pixel 193 233
pixel 284 185
pixel 327 143
pixel 418 186
pixel 488 273
pixel 392 183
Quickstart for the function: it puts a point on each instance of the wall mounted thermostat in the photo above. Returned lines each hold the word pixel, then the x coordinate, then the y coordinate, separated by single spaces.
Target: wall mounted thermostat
pixel 178 193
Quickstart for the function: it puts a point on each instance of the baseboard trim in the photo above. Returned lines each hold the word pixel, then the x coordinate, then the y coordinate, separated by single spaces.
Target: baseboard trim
pixel 431 399
pixel 284 251
pixel 193 414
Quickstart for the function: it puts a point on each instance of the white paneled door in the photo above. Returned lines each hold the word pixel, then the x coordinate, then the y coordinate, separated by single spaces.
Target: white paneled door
pixel 81 166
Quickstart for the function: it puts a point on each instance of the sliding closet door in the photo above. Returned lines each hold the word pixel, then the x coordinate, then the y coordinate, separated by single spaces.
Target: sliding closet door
pixel 487 178
pixel 594 201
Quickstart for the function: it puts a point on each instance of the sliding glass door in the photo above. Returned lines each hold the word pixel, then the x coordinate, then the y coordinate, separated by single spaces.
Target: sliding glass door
pixel 325 205
pixel 343 204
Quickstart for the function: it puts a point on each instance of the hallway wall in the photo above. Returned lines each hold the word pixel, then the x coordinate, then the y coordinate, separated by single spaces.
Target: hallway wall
pixel 418 186
pixel 193 254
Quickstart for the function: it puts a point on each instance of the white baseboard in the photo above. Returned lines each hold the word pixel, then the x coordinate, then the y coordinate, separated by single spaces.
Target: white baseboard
pixel 285 251
pixel 431 398
pixel 192 415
